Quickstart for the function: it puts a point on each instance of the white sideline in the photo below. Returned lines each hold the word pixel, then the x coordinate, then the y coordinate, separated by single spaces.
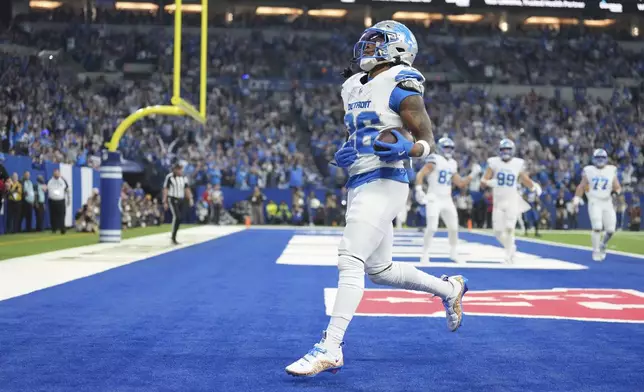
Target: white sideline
pixel 24 275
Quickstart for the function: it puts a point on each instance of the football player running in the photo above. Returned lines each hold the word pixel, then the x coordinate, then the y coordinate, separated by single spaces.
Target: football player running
pixel 503 174
pixel 387 95
pixel 441 171
pixel 599 182
pixel 531 214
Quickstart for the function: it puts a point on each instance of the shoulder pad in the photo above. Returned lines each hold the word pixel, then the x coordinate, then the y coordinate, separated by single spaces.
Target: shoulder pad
pixel 409 73
pixel 410 79
pixel 490 161
pixel 431 159
pixel 412 85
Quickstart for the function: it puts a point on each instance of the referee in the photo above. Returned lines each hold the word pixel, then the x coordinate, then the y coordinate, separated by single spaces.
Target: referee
pixel 175 193
pixel 58 194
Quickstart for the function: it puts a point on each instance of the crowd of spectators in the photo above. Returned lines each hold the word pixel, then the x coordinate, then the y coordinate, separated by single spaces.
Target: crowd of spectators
pixel 570 55
pixel 260 136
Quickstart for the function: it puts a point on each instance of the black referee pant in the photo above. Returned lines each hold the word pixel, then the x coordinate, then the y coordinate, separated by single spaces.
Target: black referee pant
pixel 57 215
pixel 176 208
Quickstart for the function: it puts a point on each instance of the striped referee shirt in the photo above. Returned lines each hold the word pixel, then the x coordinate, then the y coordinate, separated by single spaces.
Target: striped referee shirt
pixel 176 185
pixel 57 188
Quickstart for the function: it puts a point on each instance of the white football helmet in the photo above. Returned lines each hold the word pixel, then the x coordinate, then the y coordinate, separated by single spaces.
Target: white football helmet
pixel 600 157
pixel 385 42
pixel 446 147
pixel 506 149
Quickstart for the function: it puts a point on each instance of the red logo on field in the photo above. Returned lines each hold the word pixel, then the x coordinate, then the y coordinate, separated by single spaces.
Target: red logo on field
pixel 609 305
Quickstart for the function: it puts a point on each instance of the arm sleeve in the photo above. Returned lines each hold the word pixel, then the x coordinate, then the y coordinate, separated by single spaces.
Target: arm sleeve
pixel 166 182
pixel 397 96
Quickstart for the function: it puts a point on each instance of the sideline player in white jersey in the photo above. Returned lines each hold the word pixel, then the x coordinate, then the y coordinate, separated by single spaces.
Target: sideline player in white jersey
pixel 387 95
pixel 600 182
pixel 441 171
pixel 503 174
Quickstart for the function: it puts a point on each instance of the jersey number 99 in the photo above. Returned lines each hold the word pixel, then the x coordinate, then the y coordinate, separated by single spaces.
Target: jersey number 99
pixel 361 130
pixel 503 179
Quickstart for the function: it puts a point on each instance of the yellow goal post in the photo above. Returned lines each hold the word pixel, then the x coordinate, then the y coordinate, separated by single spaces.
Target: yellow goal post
pixel 179 106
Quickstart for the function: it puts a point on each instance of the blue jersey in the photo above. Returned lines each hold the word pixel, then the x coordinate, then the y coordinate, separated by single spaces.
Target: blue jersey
pixel 531 197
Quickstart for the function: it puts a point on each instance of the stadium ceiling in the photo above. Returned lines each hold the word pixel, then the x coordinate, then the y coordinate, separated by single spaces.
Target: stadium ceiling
pixel 576 8
pixel 588 7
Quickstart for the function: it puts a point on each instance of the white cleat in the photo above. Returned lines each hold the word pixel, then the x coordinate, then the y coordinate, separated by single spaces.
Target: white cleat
pixel 597 256
pixel 454 304
pixel 602 252
pixel 453 255
pixel 316 361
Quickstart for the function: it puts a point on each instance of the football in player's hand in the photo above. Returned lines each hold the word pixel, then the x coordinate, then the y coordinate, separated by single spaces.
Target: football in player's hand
pixel 387 136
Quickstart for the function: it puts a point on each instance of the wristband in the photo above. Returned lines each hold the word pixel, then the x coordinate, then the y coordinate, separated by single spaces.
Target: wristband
pixel 426 148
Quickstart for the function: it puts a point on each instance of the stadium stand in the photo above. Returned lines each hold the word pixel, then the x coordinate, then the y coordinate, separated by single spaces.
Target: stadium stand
pixel 274 114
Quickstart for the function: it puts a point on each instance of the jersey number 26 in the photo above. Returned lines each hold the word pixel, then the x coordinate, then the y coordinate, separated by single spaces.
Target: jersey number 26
pixel 361 130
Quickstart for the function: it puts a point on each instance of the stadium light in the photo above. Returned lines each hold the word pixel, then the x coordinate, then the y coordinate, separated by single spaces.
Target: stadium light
pixel 328 13
pixel 189 8
pixel 635 31
pixel 405 15
pixel 126 5
pixel 46 5
pixel 503 22
pixel 278 11
pixel 465 18
pixel 368 21
pixel 599 23
pixel 550 21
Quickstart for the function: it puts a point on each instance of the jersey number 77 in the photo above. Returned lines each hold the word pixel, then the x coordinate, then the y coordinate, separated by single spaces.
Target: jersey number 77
pixel 599 183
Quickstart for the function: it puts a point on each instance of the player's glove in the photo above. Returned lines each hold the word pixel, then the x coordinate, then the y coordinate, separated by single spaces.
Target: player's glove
pixel 345 156
pixel 576 201
pixel 393 152
pixel 421 197
pixel 491 183
pixel 536 188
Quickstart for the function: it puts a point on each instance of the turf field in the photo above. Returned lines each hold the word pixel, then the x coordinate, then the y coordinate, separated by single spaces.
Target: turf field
pixel 623 241
pixel 35 243
pixel 28 244
pixel 229 314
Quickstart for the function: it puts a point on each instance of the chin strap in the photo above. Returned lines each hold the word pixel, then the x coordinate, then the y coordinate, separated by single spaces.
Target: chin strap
pixel 349 71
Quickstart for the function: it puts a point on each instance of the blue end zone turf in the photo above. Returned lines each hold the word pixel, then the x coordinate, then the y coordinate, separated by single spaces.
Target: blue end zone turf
pixel 223 316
